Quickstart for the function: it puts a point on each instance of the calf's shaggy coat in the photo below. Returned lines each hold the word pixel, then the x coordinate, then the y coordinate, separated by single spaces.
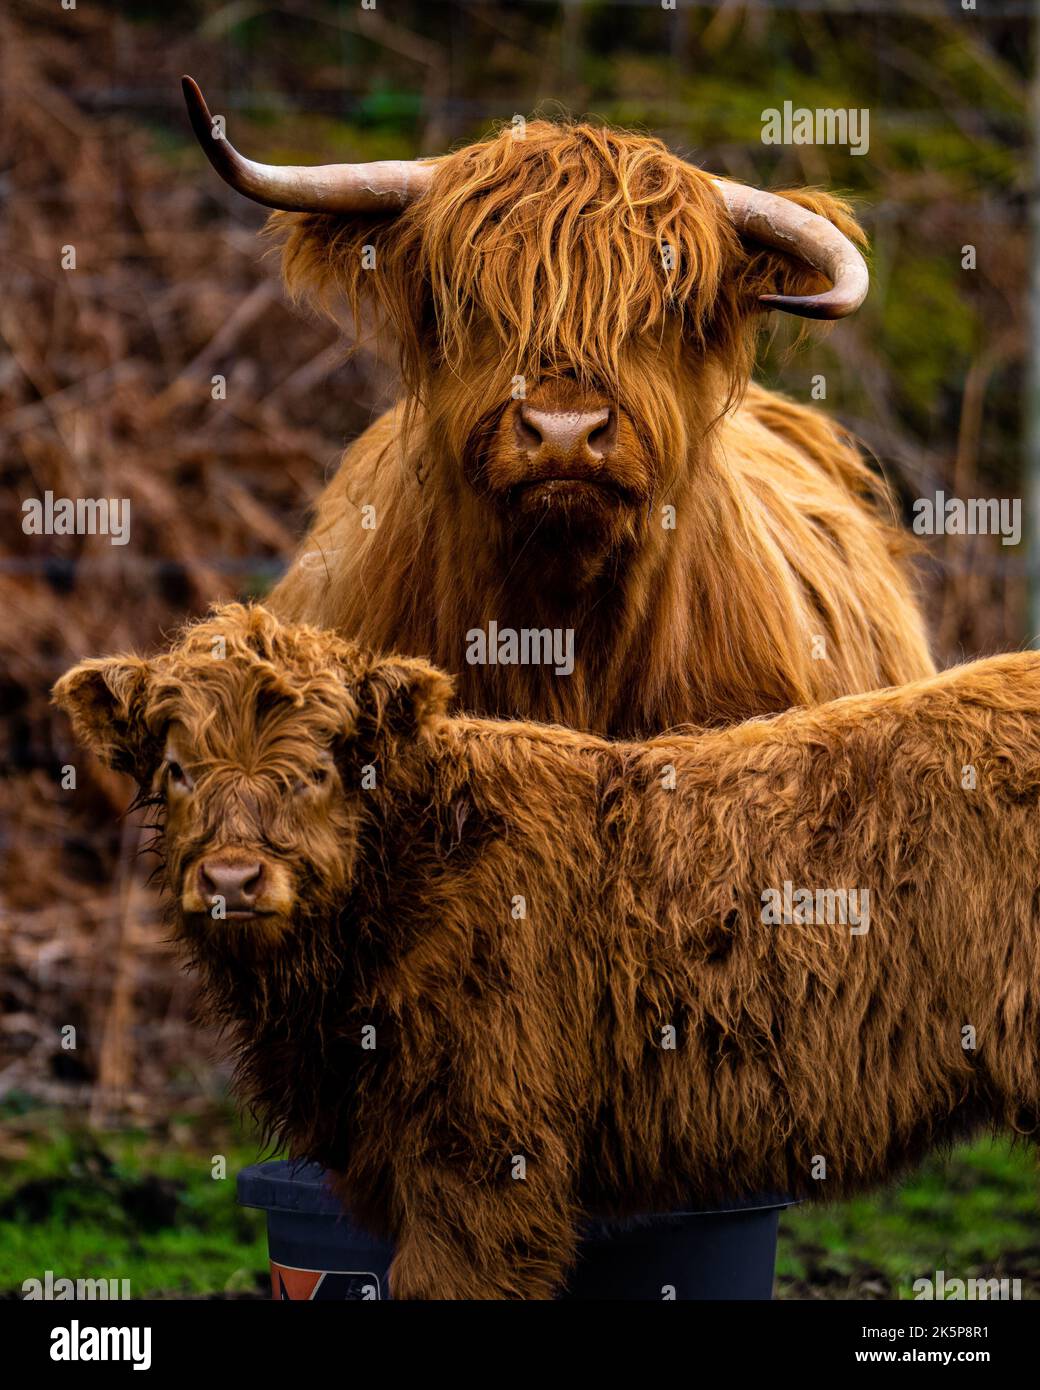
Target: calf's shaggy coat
pixel 557 943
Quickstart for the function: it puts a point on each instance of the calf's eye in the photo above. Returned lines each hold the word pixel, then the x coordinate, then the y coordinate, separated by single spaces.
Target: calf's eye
pixel 317 777
pixel 176 774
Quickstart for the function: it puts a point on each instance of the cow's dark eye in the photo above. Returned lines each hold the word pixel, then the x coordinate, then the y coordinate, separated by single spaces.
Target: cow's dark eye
pixel 178 777
pixel 319 776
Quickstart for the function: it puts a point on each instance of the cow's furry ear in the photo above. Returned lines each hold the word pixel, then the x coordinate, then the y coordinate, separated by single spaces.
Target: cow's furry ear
pixel 325 261
pixel 770 272
pixel 401 697
pixel 105 701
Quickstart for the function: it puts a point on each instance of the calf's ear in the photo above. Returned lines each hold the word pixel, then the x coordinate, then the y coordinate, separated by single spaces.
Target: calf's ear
pixel 400 697
pixel 105 701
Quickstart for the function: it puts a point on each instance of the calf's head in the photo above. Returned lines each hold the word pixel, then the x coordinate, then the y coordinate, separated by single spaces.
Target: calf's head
pixel 251 740
pixel 573 306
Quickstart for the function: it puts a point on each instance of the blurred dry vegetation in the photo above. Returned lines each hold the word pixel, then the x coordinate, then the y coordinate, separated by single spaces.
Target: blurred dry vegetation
pixel 106 370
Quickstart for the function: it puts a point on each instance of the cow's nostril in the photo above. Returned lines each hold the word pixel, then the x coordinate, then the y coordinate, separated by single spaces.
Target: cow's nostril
pixel 526 434
pixel 238 884
pixel 602 436
pixel 251 887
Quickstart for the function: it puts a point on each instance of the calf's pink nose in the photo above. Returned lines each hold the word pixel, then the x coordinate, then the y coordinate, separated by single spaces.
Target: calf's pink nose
pixel 237 884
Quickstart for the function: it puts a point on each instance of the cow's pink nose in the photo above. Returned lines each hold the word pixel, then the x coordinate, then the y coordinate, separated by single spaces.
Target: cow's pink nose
pixel 237 884
pixel 565 433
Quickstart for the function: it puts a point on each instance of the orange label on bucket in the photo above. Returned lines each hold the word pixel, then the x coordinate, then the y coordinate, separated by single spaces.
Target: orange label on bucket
pixel 323 1285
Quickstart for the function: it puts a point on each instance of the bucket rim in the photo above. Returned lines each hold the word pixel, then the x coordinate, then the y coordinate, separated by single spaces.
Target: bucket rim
pixel 300 1187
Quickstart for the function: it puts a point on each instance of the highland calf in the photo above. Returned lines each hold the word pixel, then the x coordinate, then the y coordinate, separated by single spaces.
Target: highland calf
pixel 445 943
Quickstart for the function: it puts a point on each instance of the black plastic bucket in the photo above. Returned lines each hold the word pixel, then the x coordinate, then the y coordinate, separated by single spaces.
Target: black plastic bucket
pixel 317 1252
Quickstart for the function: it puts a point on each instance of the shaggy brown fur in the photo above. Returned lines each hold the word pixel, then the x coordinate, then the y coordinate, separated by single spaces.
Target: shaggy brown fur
pixel 606 272
pixel 521 913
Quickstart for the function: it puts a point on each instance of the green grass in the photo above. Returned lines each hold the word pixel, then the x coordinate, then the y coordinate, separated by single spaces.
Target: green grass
pixel 973 1214
pixel 143 1205
pixel 133 1204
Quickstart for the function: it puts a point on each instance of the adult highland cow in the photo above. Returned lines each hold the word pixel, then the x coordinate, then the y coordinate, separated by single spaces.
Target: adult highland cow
pixel 579 448
pixel 659 972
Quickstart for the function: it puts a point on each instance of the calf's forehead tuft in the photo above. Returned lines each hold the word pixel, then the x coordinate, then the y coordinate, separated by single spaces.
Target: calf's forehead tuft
pixel 249 636
pixel 241 667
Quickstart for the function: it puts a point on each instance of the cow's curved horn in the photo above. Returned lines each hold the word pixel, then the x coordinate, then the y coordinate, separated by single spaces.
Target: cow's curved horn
pixel 777 222
pixel 385 185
